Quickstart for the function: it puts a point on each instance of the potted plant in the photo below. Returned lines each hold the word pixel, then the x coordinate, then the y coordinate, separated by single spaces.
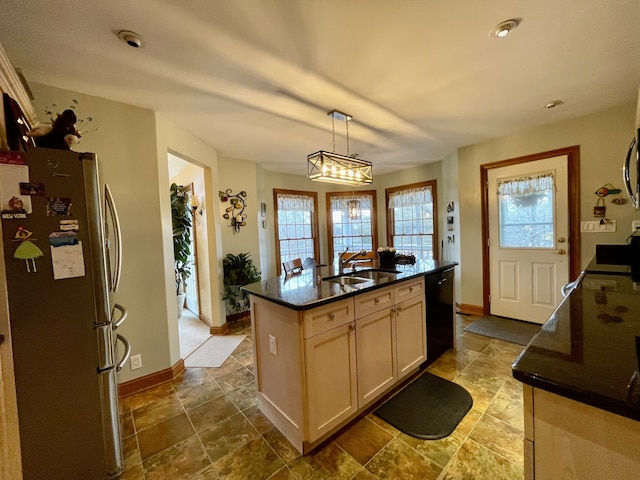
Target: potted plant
pixel 181 222
pixel 238 270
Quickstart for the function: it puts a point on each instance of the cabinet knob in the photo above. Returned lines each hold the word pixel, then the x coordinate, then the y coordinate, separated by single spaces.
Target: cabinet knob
pixel 332 316
pixel 376 301
pixel 410 289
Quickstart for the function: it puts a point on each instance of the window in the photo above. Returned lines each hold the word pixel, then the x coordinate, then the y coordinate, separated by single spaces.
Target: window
pixel 356 234
pixel 412 219
pixel 526 211
pixel 296 225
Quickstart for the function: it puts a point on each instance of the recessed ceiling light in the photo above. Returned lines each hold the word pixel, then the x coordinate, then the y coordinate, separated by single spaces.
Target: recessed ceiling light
pixel 132 39
pixel 553 104
pixel 505 28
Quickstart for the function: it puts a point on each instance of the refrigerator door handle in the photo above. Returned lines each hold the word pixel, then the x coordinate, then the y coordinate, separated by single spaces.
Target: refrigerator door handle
pixel 634 196
pixel 123 315
pixel 127 352
pixel 110 206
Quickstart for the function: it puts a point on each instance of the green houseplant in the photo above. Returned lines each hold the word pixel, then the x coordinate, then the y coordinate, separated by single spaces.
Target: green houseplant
pixel 238 270
pixel 181 222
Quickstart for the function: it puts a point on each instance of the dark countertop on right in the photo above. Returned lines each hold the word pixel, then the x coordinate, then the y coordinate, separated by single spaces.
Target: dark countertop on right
pixel 588 349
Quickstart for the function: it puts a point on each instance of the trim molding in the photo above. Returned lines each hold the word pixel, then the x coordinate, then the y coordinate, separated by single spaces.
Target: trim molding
pixel 153 379
pixel 221 330
pixel 469 309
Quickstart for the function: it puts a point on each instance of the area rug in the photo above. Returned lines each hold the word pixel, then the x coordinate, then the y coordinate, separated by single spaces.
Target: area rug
pixel 514 331
pixel 214 351
pixel 428 408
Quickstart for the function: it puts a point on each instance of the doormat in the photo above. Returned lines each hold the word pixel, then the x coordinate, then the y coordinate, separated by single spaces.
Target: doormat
pixel 428 408
pixel 214 351
pixel 507 329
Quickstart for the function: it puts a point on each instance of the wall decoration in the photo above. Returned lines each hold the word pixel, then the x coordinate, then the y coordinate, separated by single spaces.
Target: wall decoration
pixel 235 212
pixel 450 207
pixel 450 224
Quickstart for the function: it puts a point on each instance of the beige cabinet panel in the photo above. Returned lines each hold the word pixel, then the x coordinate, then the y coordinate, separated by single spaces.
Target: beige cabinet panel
pixel 411 335
pixel 376 355
pixel 370 302
pixel 576 441
pixel 326 317
pixel 331 379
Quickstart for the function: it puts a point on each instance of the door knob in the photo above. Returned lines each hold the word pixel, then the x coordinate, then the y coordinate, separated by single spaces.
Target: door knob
pixel 561 239
pixel 560 251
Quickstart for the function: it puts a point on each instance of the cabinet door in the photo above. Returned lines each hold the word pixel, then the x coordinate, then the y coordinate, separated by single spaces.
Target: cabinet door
pixel 376 355
pixel 330 373
pixel 411 335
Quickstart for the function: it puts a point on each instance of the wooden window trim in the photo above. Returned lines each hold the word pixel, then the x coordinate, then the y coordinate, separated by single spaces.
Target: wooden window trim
pixel 314 223
pixel 434 195
pixel 374 216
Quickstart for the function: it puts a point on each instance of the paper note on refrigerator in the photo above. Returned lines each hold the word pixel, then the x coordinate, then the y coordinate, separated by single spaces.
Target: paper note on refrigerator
pixel 68 261
pixel 12 203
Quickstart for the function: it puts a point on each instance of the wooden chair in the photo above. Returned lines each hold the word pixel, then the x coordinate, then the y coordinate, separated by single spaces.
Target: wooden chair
pixel 292 266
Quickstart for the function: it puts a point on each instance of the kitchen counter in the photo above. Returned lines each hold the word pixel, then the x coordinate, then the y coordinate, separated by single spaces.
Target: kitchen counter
pixel 587 350
pixel 307 289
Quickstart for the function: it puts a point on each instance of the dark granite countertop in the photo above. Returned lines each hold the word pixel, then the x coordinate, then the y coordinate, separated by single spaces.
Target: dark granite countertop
pixel 307 289
pixel 587 350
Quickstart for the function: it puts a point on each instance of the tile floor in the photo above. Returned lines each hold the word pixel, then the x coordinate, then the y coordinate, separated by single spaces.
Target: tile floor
pixel 205 425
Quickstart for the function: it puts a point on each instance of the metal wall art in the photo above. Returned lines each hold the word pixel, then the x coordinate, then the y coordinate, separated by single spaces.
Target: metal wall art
pixel 235 212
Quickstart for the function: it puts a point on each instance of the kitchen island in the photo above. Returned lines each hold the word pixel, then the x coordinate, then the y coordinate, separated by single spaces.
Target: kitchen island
pixel 581 390
pixel 328 346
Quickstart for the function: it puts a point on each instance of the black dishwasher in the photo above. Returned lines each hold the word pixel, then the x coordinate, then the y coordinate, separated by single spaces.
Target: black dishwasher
pixel 439 315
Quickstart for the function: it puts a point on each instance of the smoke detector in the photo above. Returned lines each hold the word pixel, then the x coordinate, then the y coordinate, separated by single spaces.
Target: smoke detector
pixel 132 39
pixel 505 28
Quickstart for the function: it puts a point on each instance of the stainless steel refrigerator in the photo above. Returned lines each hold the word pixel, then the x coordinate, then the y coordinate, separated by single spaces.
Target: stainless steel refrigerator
pixel 62 256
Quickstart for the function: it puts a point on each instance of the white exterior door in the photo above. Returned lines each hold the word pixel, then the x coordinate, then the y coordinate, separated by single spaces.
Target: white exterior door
pixel 528 238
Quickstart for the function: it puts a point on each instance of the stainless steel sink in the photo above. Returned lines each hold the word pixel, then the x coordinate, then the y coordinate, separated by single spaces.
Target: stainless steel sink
pixel 375 274
pixel 346 280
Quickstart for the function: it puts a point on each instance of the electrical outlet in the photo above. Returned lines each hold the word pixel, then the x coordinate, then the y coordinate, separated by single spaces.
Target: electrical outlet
pixel 136 361
pixel 273 345
pixel 635 225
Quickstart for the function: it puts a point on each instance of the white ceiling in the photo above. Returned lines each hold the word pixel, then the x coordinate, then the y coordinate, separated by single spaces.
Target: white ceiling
pixel 255 78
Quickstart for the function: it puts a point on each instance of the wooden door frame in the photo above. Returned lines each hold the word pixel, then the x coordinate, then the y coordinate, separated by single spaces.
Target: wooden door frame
pixel 573 172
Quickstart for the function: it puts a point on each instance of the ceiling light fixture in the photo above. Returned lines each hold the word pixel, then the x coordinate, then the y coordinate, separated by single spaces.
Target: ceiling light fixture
pixel 331 167
pixel 131 38
pixel 505 28
pixel 553 104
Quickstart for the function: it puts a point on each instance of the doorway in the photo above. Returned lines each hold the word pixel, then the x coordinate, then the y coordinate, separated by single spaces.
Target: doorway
pixel 531 236
pixel 193 329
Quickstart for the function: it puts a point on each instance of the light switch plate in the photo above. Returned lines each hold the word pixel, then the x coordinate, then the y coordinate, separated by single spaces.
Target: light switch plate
pixel 273 345
pixel 594 226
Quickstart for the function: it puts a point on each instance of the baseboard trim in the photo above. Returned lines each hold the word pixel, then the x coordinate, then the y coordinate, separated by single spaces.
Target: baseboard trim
pixel 221 330
pixel 469 309
pixel 153 379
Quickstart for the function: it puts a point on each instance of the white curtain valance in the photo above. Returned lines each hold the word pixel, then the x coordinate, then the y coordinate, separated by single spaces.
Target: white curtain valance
pixel 527 185
pixel 295 203
pixel 339 203
pixel 410 197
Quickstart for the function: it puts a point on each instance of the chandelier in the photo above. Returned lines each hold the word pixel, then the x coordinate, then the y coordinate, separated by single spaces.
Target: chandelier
pixel 331 167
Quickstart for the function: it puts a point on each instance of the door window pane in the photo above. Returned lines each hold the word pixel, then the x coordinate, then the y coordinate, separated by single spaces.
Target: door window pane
pixel 526 214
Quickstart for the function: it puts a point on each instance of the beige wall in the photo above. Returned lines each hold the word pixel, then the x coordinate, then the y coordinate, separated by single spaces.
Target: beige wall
pixel 603 138
pixel 132 145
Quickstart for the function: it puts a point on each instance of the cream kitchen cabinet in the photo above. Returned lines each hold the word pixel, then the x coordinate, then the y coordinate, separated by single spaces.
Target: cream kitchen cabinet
pixel 390 337
pixel 316 369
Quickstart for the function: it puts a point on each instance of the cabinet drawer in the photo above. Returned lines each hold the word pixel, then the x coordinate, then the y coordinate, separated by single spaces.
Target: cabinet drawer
pixel 321 319
pixel 367 303
pixel 409 289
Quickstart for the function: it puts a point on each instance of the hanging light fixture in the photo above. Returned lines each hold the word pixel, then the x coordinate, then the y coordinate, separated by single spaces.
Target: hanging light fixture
pixel 331 167
pixel 353 209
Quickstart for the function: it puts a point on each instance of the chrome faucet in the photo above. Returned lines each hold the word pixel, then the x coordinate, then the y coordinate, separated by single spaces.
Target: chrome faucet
pixel 342 262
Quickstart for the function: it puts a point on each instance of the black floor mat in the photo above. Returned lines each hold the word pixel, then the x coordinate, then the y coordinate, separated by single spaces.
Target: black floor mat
pixel 507 329
pixel 428 408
